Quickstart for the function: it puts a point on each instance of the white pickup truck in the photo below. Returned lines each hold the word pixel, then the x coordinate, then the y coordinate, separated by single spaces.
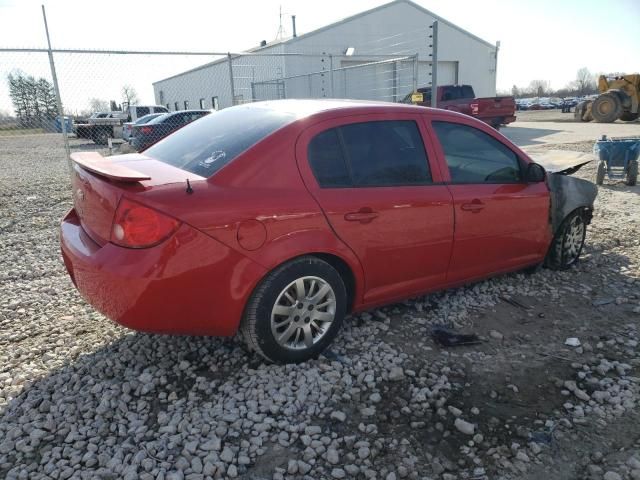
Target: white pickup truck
pixel 104 125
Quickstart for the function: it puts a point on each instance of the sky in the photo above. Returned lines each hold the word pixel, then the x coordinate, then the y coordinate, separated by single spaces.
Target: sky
pixel 540 39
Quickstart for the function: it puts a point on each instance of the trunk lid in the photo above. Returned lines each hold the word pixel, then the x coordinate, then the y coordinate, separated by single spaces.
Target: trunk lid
pixel 99 183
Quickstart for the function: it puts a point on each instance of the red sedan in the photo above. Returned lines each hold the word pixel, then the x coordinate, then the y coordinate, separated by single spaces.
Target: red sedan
pixel 280 218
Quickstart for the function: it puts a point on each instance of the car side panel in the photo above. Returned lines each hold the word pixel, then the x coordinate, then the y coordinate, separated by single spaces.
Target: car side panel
pixel 406 249
pixel 511 231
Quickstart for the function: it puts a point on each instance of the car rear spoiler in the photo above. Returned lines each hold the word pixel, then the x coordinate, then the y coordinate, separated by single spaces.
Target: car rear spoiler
pixel 105 167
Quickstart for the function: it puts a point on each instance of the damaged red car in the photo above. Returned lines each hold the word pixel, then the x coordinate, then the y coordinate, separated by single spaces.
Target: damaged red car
pixel 280 218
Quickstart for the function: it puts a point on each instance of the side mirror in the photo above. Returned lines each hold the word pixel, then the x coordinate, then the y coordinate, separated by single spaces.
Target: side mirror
pixel 535 173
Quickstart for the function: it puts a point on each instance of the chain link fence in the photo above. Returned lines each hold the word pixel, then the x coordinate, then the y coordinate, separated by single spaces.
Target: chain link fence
pixel 102 92
pixel 102 85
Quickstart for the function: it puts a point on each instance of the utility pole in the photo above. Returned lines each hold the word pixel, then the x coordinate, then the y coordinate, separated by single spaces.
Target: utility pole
pixel 54 77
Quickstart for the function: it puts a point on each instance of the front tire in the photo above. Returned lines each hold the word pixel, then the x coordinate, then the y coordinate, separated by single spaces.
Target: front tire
pixel 568 242
pixel 600 172
pixel 296 311
pixel 607 108
pixel 632 173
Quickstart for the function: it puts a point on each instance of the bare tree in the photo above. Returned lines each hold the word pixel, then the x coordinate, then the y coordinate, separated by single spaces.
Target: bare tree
pixel 129 95
pixel 515 91
pixel 585 81
pixel 540 87
pixel 98 105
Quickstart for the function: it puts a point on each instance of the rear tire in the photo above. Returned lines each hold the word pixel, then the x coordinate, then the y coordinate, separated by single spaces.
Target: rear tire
pixel 296 311
pixel 632 173
pixel 600 173
pixel 607 108
pixel 568 242
pixel 629 117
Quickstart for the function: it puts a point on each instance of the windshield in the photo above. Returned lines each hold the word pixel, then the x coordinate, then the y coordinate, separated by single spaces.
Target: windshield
pixel 148 118
pixel 206 145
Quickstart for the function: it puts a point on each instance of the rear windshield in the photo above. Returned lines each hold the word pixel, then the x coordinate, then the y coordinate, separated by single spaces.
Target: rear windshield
pixel 209 143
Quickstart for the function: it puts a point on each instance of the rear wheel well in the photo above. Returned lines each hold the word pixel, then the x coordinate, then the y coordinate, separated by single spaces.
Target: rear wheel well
pixel 345 272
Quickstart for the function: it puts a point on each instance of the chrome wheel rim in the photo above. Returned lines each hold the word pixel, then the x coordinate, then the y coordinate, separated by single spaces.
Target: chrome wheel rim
pixel 303 313
pixel 573 239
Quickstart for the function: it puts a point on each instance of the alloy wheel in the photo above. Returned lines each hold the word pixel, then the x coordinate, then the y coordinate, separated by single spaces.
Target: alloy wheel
pixel 303 313
pixel 573 239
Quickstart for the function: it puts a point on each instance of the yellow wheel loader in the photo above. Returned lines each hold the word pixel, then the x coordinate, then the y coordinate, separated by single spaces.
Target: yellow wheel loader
pixel 619 99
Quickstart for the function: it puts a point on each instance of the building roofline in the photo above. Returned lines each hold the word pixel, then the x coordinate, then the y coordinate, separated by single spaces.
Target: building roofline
pixel 256 50
pixel 383 6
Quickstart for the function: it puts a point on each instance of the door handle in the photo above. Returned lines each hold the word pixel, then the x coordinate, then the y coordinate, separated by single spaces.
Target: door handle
pixel 475 206
pixel 364 215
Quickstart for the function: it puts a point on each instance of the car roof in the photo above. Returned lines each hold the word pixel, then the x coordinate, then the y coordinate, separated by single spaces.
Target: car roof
pixel 311 107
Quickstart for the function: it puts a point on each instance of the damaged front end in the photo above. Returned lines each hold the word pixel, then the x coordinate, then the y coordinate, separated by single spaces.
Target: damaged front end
pixel 567 193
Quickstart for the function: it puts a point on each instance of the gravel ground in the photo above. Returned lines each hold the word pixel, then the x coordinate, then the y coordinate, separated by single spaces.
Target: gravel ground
pixel 83 398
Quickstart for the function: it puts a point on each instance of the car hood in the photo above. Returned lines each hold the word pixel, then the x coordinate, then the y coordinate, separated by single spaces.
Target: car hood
pixel 561 162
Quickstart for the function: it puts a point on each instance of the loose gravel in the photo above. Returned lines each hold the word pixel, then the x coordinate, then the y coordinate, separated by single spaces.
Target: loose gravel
pixel 81 397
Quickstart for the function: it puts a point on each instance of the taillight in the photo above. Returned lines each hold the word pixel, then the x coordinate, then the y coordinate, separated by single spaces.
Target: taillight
pixel 474 109
pixel 146 129
pixel 137 226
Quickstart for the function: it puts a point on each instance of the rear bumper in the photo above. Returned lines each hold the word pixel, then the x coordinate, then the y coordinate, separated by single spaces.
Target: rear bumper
pixel 509 119
pixel 190 284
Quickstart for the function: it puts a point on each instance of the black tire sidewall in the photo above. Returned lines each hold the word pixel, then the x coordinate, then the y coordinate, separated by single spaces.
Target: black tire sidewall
pixel 632 174
pixel 615 113
pixel 557 257
pixel 269 292
pixel 601 171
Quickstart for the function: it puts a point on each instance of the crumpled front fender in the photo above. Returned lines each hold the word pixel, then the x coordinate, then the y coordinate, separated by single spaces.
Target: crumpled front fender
pixel 569 194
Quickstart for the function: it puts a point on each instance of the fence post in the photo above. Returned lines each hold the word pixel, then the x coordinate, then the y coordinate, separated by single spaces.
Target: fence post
pixel 331 74
pixel 415 73
pixel 395 81
pixel 434 65
pixel 54 77
pixel 233 89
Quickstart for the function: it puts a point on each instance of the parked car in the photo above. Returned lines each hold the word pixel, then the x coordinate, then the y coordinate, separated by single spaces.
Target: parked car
pixel 279 218
pixel 100 127
pixel 495 111
pixel 143 136
pixel 127 128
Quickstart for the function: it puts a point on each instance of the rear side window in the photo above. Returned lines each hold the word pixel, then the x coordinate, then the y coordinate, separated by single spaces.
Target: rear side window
pixel 327 161
pixel 370 154
pixel 203 147
pixel 475 157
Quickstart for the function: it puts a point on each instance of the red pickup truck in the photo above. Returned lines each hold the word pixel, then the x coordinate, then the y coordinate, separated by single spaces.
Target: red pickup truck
pixel 495 111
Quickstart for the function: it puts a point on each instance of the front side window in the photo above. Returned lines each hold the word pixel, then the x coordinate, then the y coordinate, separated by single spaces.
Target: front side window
pixel 186 104
pixel 202 103
pixel 175 105
pixel 475 157
pixel 214 103
pixel 370 154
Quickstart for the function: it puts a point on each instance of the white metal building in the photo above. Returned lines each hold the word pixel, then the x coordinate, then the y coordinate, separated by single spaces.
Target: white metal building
pixel 391 40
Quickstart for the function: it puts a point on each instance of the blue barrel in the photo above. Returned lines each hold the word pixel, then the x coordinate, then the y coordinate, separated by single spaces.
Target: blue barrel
pixel 617 153
pixel 68 123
